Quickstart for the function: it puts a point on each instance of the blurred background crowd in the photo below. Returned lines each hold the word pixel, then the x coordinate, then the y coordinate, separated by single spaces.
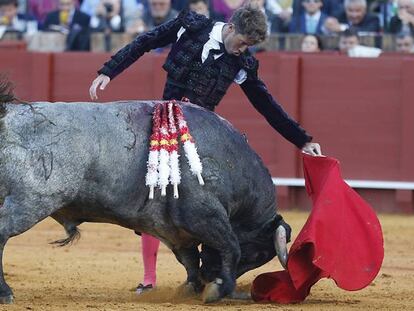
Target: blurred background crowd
pixel 310 20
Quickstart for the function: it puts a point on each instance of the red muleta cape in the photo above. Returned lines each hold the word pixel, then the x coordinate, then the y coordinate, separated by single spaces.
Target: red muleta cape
pixel 342 240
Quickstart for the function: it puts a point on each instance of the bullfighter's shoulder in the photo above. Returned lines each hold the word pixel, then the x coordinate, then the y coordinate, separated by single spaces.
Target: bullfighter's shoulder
pixel 192 21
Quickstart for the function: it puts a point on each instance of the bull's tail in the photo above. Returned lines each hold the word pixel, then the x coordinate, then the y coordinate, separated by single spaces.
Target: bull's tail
pixel 73 234
pixel 6 94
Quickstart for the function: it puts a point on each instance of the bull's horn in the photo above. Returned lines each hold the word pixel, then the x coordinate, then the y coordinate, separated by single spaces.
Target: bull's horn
pixel 280 245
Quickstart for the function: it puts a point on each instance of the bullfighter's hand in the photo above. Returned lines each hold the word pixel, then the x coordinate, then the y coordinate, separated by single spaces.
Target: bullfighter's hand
pixel 406 17
pixel 313 149
pixel 101 81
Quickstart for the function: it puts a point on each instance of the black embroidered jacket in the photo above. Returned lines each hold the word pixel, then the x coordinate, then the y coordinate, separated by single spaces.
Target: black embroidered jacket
pixel 204 83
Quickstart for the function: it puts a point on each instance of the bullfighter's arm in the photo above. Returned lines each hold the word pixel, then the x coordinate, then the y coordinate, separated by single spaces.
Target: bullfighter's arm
pixel 262 100
pixel 158 37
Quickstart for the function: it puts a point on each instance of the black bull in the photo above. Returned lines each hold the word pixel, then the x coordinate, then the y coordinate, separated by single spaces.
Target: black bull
pixel 86 162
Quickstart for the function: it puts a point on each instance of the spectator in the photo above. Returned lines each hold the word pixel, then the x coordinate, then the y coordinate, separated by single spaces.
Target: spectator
pixel 275 23
pixel 11 20
pixel 40 8
pixel 159 12
pixel 202 7
pixel 330 7
pixel 115 15
pixel 226 7
pixel 311 44
pixel 89 7
pixel 404 43
pixel 283 11
pixel 349 44
pixel 105 14
pixel 179 5
pixel 131 14
pixel 311 20
pixel 403 21
pixel 347 40
pixel 385 9
pixel 355 15
pixel 22 6
pixel 70 20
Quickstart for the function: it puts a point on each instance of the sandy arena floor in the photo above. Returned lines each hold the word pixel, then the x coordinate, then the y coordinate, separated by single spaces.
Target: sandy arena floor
pixel 101 270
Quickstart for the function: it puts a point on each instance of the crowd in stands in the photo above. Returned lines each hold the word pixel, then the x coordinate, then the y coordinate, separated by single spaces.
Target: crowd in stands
pixel 313 18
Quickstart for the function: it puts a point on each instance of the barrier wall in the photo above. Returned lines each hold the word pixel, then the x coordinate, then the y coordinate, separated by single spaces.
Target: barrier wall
pixel 360 110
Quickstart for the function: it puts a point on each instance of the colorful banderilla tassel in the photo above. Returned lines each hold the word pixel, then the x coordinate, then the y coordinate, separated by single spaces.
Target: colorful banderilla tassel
pixel 151 178
pixel 164 157
pixel 189 145
pixel 175 177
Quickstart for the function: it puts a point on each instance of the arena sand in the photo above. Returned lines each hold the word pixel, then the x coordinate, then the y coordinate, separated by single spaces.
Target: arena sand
pixel 101 270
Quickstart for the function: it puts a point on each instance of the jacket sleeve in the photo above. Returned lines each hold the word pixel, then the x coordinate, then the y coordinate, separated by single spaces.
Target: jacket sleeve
pixel 158 37
pixel 264 103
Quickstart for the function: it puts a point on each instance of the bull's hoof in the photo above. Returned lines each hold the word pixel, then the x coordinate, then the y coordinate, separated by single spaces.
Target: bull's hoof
pixel 190 289
pixel 8 299
pixel 211 292
pixel 186 290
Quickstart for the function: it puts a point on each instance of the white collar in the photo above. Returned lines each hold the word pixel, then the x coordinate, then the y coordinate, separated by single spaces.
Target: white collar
pixel 216 32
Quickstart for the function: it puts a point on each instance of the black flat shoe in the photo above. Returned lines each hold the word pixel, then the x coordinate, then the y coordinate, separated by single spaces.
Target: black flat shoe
pixel 141 288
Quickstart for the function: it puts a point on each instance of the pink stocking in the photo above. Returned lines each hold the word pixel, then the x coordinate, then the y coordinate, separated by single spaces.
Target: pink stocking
pixel 149 255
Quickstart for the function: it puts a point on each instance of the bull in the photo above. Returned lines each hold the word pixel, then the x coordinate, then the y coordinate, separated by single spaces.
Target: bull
pixel 86 162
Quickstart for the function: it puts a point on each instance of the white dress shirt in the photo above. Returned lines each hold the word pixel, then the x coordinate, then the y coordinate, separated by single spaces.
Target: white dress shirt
pixel 214 43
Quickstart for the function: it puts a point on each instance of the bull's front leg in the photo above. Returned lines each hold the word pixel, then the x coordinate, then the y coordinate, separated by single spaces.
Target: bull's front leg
pixel 211 264
pixel 207 220
pixel 211 268
pixel 190 259
pixel 225 282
